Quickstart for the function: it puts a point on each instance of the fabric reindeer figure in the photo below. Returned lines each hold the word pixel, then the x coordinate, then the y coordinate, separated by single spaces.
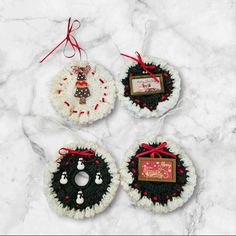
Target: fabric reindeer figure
pixel 82 90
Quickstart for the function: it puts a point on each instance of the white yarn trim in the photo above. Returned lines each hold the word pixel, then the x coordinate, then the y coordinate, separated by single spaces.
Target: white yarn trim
pixel 163 106
pixel 127 178
pixel 107 198
pixel 97 90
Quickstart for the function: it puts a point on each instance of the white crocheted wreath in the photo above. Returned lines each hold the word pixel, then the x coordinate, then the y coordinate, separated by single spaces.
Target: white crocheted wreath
pixel 153 105
pixel 71 199
pixel 83 92
pixel 160 197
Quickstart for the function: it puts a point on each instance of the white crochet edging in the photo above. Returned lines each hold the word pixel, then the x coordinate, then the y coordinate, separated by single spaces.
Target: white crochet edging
pixel 107 198
pixel 163 106
pixel 127 178
pixel 97 89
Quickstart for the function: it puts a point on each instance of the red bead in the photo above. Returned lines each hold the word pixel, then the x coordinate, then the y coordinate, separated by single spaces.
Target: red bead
pixel 67 197
pixel 144 104
pixel 181 171
pixel 134 170
pixel 97 162
pixel 145 193
pixel 135 185
pixel 163 97
pixel 126 86
pixel 167 197
pixel 165 75
pixel 174 194
pixel 136 100
pixel 154 198
pixel 132 162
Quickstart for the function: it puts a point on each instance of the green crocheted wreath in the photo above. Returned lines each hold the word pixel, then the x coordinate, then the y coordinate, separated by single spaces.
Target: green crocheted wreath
pixel 78 201
pixel 160 196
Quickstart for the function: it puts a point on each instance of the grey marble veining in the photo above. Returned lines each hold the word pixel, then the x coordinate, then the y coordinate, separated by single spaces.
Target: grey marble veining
pixel 197 37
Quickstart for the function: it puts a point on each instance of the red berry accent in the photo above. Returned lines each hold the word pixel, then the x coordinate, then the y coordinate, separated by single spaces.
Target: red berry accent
pixel 170 82
pixel 167 197
pixel 67 197
pixel 126 86
pixel 174 194
pixel 77 205
pixel 145 193
pixel 181 171
pixel 163 97
pixel 135 185
pixel 134 171
pixel 126 93
pixel 144 104
pixel 136 100
pixel 132 162
pixel 130 74
pixel 155 198
pixel 178 165
pixel 166 75
pixel 178 190
pixel 97 162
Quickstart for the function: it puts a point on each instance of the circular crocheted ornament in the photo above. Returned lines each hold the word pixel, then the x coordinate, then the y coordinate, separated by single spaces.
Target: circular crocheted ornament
pixel 83 92
pixel 142 94
pixel 66 195
pixel 158 175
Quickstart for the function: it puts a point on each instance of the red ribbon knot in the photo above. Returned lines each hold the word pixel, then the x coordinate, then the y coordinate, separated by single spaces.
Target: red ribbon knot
pixel 66 151
pixel 71 27
pixel 155 150
pixel 143 65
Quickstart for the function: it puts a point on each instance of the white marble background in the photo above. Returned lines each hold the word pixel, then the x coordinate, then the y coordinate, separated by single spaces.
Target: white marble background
pixel 197 36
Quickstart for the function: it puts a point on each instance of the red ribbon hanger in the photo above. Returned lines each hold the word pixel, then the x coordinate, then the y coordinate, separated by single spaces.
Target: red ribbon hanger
pixel 155 150
pixel 87 152
pixel 142 64
pixel 69 39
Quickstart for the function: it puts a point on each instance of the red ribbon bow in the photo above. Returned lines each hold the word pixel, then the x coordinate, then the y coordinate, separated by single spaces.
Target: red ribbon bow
pixel 143 65
pixel 155 150
pixel 87 152
pixel 68 39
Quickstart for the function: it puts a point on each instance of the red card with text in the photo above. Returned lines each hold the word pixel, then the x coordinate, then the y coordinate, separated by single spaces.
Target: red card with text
pixel 157 169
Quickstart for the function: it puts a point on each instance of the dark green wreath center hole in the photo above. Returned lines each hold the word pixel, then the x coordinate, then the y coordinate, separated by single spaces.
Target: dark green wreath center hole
pixel 81 178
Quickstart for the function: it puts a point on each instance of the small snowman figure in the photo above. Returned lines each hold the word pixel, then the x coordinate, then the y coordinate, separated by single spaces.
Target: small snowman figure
pixel 80 165
pixel 64 177
pixel 80 198
pixel 98 179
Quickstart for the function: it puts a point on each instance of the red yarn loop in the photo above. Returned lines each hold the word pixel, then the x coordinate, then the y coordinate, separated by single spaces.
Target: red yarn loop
pixel 66 151
pixel 155 150
pixel 69 39
pixel 143 65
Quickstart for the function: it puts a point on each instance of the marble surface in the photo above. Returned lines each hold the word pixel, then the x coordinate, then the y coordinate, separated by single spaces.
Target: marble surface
pixel 197 36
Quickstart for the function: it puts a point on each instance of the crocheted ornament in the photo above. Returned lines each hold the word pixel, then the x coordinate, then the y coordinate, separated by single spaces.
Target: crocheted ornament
pixel 142 94
pixel 70 197
pixel 158 175
pixel 83 92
